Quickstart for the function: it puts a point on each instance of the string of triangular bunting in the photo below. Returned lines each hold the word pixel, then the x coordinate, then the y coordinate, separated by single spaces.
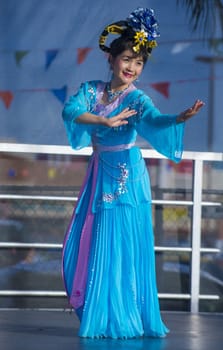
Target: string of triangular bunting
pixel 81 54
pixel 61 93
pixel 51 54
pixel 8 96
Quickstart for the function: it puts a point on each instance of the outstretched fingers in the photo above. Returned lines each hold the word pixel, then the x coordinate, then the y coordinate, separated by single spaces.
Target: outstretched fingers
pixel 121 118
pixel 196 106
pixel 190 112
pixel 126 113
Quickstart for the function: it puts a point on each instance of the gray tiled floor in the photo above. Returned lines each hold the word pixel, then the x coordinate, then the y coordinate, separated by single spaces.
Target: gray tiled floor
pixel 52 330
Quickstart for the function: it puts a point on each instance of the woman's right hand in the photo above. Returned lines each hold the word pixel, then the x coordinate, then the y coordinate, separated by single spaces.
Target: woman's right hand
pixel 119 119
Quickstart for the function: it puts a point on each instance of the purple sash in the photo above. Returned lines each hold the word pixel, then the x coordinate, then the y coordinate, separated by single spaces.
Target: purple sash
pixel 80 277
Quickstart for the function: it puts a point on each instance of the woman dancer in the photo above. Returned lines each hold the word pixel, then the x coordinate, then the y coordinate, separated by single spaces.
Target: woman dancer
pixel 108 251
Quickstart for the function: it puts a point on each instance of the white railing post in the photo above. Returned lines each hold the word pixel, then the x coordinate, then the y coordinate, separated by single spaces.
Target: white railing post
pixel 196 234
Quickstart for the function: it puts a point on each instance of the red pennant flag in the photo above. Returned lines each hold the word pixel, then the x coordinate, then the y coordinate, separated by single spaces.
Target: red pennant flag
pixel 6 97
pixel 82 54
pixel 163 88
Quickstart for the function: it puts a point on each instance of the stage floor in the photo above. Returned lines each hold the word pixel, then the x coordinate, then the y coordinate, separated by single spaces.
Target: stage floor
pixel 52 330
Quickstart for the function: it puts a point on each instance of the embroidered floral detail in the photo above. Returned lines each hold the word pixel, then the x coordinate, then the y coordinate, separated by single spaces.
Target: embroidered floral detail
pixel 91 98
pixel 123 179
pixel 138 105
pixel 122 189
pixel 178 154
pixel 120 128
pixel 91 90
pixel 108 197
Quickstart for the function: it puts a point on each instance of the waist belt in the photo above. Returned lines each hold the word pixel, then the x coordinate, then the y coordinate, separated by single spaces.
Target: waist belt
pixel 101 148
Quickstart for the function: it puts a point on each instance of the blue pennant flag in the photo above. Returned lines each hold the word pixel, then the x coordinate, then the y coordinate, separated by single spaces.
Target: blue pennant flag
pixel 61 94
pixel 50 56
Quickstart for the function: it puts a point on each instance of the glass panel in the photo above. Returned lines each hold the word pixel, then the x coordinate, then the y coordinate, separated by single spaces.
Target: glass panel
pixel 30 220
pixel 212 181
pixel 212 216
pixel 42 169
pixel 30 269
pixel 172 225
pixel 173 272
pixel 170 181
pixel 211 274
pixel 212 228
pixel 211 281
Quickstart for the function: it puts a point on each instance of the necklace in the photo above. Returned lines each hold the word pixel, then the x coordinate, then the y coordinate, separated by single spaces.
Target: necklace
pixel 113 95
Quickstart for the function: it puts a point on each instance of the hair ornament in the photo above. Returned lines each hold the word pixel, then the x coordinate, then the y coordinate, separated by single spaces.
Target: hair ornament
pixel 114 28
pixel 140 39
pixel 142 22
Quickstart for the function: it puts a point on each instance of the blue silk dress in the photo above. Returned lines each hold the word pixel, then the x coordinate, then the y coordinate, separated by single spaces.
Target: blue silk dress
pixel 108 250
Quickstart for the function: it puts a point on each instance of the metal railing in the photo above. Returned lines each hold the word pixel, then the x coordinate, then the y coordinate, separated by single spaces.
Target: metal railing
pixel 195 204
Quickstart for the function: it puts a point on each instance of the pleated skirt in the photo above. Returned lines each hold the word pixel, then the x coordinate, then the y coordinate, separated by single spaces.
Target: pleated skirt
pixel 121 299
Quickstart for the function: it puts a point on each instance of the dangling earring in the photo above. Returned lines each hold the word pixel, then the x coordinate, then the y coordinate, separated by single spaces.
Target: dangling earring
pixel 136 80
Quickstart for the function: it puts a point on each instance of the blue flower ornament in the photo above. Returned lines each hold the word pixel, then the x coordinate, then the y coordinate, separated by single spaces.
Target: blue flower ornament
pixel 143 22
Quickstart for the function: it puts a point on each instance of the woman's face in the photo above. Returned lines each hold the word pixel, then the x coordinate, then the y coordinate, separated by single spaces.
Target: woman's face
pixel 126 68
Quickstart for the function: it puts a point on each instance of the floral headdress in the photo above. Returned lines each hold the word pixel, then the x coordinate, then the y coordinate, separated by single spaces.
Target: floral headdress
pixel 144 26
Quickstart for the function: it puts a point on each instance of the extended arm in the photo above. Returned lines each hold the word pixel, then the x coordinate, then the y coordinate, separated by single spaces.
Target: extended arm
pixel 118 120
pixel 79 120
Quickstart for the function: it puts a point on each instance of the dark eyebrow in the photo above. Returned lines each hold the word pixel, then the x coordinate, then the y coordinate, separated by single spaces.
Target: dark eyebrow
pixel 133 57
pixel 127 56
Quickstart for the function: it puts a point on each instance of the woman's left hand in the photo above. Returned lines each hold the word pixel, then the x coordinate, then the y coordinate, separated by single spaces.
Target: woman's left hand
pixel 190 112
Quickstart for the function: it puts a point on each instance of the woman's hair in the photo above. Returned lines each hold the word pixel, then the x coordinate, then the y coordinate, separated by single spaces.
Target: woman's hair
pixel 126 42
pixel 137 33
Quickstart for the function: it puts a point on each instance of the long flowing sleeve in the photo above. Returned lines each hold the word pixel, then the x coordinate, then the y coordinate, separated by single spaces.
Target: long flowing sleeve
pixel 79 135
pixel 161 130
